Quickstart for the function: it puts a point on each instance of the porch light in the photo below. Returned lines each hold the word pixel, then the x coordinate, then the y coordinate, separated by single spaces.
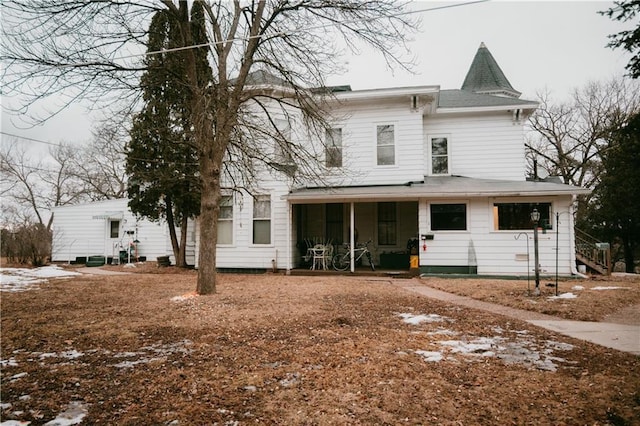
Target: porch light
pixel 535 216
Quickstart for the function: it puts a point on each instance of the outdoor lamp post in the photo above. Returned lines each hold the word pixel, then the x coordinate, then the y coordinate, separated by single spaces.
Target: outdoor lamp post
pixel 535 218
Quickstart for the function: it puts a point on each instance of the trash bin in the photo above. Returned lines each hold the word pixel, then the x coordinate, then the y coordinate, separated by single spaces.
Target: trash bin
pixel 414 264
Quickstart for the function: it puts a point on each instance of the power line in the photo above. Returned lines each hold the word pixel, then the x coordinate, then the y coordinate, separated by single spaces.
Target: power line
pixel 281 33
pixel 29 139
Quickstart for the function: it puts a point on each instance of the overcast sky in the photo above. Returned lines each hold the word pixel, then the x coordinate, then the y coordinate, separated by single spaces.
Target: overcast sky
pixel 554 45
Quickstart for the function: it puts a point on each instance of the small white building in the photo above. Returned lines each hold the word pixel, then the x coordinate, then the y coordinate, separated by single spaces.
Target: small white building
pixel 445 167
pixel 105 228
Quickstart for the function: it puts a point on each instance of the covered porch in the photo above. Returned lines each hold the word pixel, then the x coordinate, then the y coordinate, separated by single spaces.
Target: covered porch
pixel 387 228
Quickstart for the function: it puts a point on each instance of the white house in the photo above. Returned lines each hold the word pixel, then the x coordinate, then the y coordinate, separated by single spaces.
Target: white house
pixel 104 228
pixel 444 166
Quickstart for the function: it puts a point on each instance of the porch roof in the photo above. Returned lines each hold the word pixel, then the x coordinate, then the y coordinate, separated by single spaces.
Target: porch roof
pixel 433 187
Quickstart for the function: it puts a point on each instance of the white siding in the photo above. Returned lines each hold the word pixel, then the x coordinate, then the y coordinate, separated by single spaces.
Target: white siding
pixel 487 146
pixel 77 234
pixel 498 252
pixel 359 145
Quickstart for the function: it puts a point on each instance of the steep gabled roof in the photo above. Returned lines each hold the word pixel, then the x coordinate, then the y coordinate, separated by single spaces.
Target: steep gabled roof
pixel 485 76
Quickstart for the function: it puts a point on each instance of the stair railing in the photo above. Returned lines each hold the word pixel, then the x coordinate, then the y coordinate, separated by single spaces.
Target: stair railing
pixel 596 253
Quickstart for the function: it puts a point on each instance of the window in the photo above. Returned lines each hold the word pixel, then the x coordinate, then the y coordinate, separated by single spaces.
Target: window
pixel 386 224
pixel 333 148
pixel 517 216
pixel 225 220
pixel 335 219
pixel 385 145
pixel 262 220
pixel 114 228
pixel 282 149
pixel 440 156
pixel 448 217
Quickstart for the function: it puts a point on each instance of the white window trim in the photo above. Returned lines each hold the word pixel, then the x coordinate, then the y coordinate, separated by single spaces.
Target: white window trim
pixel 395 144
pixel 449 231
pixel 271 243
pixel 233 222
pixel 430 154
pixel 341 128
pixel 493 200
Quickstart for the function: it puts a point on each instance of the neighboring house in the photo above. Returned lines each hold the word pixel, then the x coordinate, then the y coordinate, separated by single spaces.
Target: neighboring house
pixel 104 228
pixel 444 166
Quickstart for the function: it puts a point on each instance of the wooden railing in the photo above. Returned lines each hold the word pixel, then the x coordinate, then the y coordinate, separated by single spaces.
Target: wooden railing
pixel 593 253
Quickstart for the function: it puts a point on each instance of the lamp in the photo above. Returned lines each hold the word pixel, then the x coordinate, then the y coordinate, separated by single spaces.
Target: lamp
pixel 535 218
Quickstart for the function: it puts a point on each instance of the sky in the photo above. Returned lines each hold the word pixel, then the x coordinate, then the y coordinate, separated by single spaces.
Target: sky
pixel 544 45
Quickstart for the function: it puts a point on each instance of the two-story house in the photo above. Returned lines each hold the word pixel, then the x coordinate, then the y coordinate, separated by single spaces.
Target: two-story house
pixel 445 167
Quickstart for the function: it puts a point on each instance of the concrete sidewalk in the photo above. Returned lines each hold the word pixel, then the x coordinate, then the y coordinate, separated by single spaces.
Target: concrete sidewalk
pixel 621 337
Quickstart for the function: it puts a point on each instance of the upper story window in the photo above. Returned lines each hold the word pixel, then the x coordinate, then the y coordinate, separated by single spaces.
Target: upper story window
pixel 439 147
pixel 333 148
pixel 262 219
pixel 225 220
pixel 517 216
pixel 386 144
pixel 449 217
pixel 282 149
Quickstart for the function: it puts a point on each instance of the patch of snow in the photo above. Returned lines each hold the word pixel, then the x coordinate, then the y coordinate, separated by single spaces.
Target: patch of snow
pixel 443 331
pixel 23 279
pixel 17 376
pixel 417 319
pixel 14 423
pixel 430 356
pixel 11 362
pixel 73 415
pixel 609 288
pixel 5 405
pixel 577 288
pixel 563 296
pixel 482 346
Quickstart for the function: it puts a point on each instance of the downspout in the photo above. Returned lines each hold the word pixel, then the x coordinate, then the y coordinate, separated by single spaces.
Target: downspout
pixel 572 243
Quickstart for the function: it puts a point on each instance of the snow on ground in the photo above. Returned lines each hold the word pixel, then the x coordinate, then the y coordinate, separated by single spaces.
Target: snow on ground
pixel 522 349
pixel 75 411
pixel 563 296
pixel 23 279
pixel 417 319
pixel 609 288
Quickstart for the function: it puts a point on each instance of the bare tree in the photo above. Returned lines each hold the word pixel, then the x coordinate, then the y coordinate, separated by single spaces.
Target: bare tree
pixel 71 47
pixel 100 165
pixel 570 136
pixel 37 185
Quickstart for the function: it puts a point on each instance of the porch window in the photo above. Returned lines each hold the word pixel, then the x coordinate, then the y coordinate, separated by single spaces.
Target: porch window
pixel 385 145
pixel 335 223
pixel 114 229
pixel 225 220
pixel 387 224
pixel 517 216
pixel 439 156
pixel 282 149
pixel 448 217
pixel 333 148
pixel 262 219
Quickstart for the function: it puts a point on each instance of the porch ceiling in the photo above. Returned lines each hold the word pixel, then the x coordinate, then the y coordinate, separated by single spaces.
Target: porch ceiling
pixel 433 187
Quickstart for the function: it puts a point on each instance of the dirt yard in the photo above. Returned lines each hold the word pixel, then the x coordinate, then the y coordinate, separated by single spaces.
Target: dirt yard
pixel 274 349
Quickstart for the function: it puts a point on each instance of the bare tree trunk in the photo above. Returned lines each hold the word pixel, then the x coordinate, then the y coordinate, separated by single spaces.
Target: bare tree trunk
pixel 210 167
pixel 182 250
pixel 172 233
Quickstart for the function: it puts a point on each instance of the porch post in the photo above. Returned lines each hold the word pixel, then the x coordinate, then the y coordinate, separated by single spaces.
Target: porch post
pixel 352 242
pixel 289 236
